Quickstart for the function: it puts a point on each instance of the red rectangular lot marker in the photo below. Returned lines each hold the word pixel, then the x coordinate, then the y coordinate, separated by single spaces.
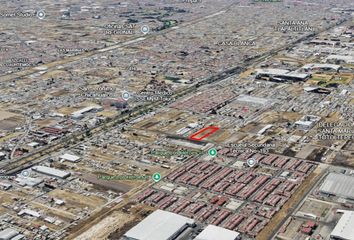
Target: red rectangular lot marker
pixel 203 133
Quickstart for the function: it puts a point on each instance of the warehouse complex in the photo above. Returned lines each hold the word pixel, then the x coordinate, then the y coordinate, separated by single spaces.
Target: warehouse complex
pixel 51 171
pixel 10 234
pixel 212 232
pixel 163 225
pixel 280 75
pixel 339 185
pixel 69 157
pixel 160 225
pixel 344 229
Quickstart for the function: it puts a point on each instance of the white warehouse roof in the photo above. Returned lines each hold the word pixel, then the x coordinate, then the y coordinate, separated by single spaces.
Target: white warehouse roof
pixel 281 72
pixel 212 232
pixel 28 181
pixel 51 171
pixel 70 157
pixel 18 237
pixel 159 225
pixel 272 71
pixel 344 228
pixel 321 65
pixel 338 184
pixel 309 89
pixel 304 123
pixel 29 212
pixel 8 233
pixel 85 110
pixel 298 75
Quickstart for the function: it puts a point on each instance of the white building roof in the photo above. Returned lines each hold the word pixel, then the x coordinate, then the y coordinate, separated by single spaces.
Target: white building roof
pixel 345 58
pixel 281 72
pixel 49 219
pixel 193 125
pixel 183 130
pixel 28 181
pixel 51 171
pixel 252 99
pixel 309 89
pixel 344 92
pixel 272 71
pixel 264 129
pixel 70 157
pixel 344 228
pixel 160 225
pixel 321 65
pixel 33 144
pixel 295 74
pixel 304 123
pixel 29 212
pixel 338 184
pixel 8 233
pixel 5 184
pixel 59 202
pixel 212 232
pixel 18 237
pixel 86 109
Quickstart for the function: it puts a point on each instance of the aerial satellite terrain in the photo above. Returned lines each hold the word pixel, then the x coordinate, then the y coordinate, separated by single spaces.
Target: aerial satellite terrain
pixel 177 120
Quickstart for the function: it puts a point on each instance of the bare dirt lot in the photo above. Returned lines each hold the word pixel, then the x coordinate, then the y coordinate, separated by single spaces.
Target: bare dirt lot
pixel 74 201
pixel 9 121
pixel 107 184
pixel 117 223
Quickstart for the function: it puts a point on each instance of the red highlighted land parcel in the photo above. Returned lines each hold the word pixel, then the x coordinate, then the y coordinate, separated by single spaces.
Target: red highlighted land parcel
pixel 203 133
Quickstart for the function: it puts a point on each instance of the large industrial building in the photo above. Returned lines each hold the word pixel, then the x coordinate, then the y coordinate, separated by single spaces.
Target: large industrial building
pixel 280 75
pixel 339 185
pixel 51 171
pixel 212 232
pixel 69 157
pixel 307 122
pixel 344 229
pixel 10 234
pixel 321 67
pixel 80 113
pixel 160 225
pixel 28 181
